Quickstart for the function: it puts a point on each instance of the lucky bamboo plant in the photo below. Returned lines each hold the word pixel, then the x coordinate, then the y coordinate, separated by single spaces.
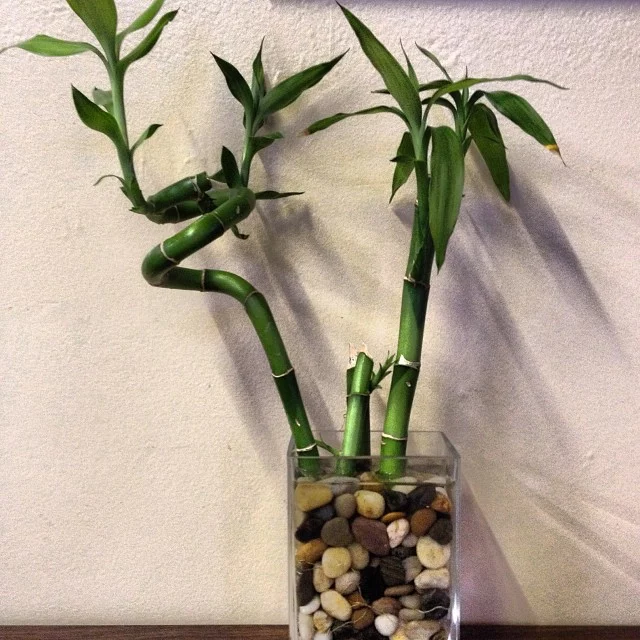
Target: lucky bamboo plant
pixel 220 201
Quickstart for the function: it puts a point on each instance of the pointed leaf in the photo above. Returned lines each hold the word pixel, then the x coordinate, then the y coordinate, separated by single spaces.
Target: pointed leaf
pixel 149 41
pixel 54 47
pixel 435 61
pixel 262 142
pixel 218 176
pixel 393 75
pixel 466 144
pixel 331 120
pixel 101 17
pixel 404 168
pixel 445 187
pixel 485 132
pixel 237 234
pixel 142 20
pixel 520 112
pixel 275 195
pixel 237 84
pixel 230 168
pixel 289 90
pixel 411 72
pixel 103 99
pixel 96 118
pixel 145 136
pixel 428 86
pixel 258 86
pixel 110 175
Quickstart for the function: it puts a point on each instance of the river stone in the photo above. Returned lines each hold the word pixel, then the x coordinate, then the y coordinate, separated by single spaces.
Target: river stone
pixel 411 602
pixel 369 482
pixel 323 513
pixel 305 626
pixel 395 500
pixel 403 552
pixel 410 541
pixel 421 497
pixel 304 587
pixel 433 578
pixel 399 634
pixel 322 621
pixel 370 633
pixel 432 554
pixel 312 607
pixel 443 634
pixel 309 530
pixel 422 520
pixel 412 568
pixel 405 485
pixel 348 582
pixel 386 624
pixel 323 635
pixel 371 584
pixel 342 484
pixel 336 605
pixel 309 496
pixel 397 532
pixel 362 618
pixel 359 556
pixel 336 533
pixel 369 504
pixel 386 605
pixel 336 561
pixel 407 615
pixel 345 505
pixel 399 590
pixel 392 516
pixel 311 551
pixel 320 580
pixel 372 535
pixel 392 571
pixel 441 503
pixel 421 630
pixel 356 600
pixel 435 603
pixel 442 531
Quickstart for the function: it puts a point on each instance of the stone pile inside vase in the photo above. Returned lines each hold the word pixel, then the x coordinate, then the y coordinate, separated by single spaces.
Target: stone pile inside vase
pixel 372 559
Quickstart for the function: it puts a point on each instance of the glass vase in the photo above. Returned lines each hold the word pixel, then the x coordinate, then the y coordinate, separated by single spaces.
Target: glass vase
pixel 372 557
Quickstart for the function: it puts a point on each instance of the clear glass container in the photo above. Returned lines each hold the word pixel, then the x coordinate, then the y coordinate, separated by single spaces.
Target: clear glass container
pixel 382 561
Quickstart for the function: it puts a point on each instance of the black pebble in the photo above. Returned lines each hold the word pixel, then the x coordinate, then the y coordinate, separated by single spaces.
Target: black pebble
pixel 343 632
pixel 403 552
pixel 392 571
pixel 370 633
pixel 305 589
pixel 435 603
pixel 421 497
pixel 323 513
pixel 371 584
pixel 395 500
pixel 442 531
pixel 309 529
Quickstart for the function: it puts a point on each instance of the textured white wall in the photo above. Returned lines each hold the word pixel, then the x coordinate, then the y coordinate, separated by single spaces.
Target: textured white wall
pixel 142 444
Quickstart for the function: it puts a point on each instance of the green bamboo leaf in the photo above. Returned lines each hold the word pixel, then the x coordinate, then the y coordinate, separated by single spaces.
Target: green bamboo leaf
pixel 405 164
pixel 218 176
pixel 445 187
pixel 427 86
pixel 230 168
pixel 258 85
pixel 411 72
pixel 103 99
pixel 101 17
pixel 289 90
pixel 331 120
pixel 237 234
pixel 262 142
pixel 54 47
pixel 149 41
pixel 237 84
pixel 521 113
pixel 151 129
pixel 466 144
pixel 435 61
pixel 442 102
pixel 275 195
pixel 141 21
pixel 96 118
pixel 393 75
pixel 485 132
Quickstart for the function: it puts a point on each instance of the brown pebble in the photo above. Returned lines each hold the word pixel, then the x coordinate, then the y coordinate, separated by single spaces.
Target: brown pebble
pixel 310 552
pixel 422 520
pixel 356 600
pixel 441 503
pixel 399 590
pixel 386 605
pixel 362 618
pixel 369 482
pixel 372 535
pixel 392 517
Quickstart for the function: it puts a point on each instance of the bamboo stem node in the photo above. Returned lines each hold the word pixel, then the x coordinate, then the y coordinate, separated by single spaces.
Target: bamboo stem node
pixel 403 362
pixel 165 255
pixel 306 449
pixel 282 375
pixel 392 437
pixel 417 283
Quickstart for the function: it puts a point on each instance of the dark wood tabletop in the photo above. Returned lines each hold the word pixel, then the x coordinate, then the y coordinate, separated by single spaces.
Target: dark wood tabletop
pixel 469 632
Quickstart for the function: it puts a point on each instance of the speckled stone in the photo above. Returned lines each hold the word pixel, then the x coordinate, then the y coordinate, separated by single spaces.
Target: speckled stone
pixel 337 533
pixel 345 505
pixel 309 496
pixel 372 535
pixel 442 531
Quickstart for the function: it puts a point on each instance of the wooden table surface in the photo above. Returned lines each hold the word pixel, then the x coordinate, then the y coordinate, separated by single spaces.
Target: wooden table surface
pixel 469 632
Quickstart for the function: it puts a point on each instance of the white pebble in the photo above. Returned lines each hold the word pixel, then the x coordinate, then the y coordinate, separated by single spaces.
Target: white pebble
pixel 323 636
pixel 433 578
pixel 305 626
pixel 412 568
pixel 432 554
pixel 410 541
pixel 397 532
pixel 359 556
pixel 386 624
pixel 348 582
pixel 311 607
pixel 369 504
pixel 405 484
pixel 411 602
pixel 322 621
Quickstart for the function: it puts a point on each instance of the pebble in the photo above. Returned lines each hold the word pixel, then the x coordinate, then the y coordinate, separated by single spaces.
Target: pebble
pixel 309 529
pixel 336 605
pixel 320 635
pixel 322 621
pixel 399 634
pixel 323 513
pixel 356 600
pixel 372 535
pixel 397 532
pixel 369 482
pixel 405 485
pixel 341 485
pixel 305 626
pixel 421 497
pixel 441 503
pixel 422 520
pixel 320 580
pixel 311 551
pixel 403 552
pixel 345 505
pixel 312 607
pixel 385 605
pixel 362 618
pixel 392 571
pixel 442 531
pixel 411 602
pixel 399 590
pixel 408 615
pixel 348 582
pixel 388 518
pixel 412 568
pixel 304 587
pixel 386 624
pixel 395 500
pixel 371 584
pixel 432 554
pixel 423 630
pixel 309 496
pixel 369 504
pixel 435 603
pixel 336 533
pixel 410 541
pixel 443 634
pixel 438 578
pixel 336 561
pixel 359 556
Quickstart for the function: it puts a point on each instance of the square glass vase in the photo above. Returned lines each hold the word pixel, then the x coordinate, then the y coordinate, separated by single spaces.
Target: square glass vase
pixel 374 555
